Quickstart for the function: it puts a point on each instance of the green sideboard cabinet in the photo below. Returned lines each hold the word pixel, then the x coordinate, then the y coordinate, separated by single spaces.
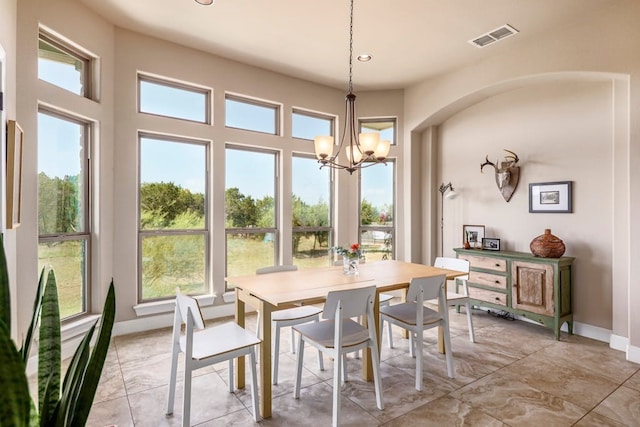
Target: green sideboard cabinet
pixel 522 284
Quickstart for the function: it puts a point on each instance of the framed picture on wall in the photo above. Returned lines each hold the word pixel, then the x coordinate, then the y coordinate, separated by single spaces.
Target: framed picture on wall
pixel 550 197
pixel 473 234
pixel 14 173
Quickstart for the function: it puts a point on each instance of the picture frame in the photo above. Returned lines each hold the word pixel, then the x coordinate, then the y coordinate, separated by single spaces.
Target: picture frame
pixel 490 244
pixel 473 234
pixel 15 144
pixel 551 197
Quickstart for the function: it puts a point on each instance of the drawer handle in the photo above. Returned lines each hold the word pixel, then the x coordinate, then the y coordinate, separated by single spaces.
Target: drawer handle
pixel 497 265
pixel 497 281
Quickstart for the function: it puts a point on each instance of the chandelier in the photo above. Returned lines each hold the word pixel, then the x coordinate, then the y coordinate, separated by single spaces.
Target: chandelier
pixel 361 150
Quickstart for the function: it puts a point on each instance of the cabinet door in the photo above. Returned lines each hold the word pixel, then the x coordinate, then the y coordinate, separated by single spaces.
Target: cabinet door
pixel 532 287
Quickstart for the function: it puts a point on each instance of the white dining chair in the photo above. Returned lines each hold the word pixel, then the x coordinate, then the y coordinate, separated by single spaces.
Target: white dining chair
pixel 338 334
pixel 205 347
pixel 385 299
pixel 454 298
pixel 413 316
pixel 287 317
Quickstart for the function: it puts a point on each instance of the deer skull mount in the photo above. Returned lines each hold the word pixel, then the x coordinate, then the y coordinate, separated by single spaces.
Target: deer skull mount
pixel 507 174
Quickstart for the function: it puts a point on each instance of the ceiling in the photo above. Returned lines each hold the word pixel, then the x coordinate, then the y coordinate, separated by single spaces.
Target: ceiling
pixel 410 40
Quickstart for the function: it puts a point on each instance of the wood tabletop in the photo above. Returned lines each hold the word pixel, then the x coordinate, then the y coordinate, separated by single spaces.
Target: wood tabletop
pixel 309 285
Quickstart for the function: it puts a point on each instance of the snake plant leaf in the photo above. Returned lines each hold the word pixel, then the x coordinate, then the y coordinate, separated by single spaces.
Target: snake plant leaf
pixel 49 351
pixel 48 391
pixel 71 386
pixel 37 305
pixel 98 356
pixel 5 297
pixel 15 401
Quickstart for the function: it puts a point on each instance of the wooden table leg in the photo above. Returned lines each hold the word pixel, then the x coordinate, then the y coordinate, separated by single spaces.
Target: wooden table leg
pixel 240 371
pixel 265 359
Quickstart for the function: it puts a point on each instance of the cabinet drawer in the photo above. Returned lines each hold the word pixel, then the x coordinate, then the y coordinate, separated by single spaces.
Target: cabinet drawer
pixel 488 279
pixel 486 263
pixel 488 296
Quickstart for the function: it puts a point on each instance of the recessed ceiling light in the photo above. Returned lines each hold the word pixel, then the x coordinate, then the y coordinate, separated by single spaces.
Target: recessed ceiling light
pixel 364 58
pixel 205 2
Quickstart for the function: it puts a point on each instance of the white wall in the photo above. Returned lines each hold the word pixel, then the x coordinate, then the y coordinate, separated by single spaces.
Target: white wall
pixel 560 132
pixel 570 54
pixel 8 13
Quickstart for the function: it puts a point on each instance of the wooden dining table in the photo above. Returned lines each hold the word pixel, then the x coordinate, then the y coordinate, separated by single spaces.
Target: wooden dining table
pixel 276 291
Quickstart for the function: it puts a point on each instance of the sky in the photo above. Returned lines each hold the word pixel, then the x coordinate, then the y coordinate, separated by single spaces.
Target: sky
pixel 184 164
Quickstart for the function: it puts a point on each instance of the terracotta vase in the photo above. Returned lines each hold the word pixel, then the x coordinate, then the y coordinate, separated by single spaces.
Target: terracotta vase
pixel 547 245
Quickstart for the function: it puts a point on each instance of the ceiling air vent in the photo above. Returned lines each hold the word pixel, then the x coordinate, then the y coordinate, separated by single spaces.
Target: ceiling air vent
pixel 493 36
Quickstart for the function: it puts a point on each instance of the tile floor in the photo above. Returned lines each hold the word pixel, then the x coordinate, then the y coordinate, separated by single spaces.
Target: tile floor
pixel 516 374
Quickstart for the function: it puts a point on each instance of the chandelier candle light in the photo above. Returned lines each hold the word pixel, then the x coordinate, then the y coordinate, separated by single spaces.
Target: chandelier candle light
pixel 361 150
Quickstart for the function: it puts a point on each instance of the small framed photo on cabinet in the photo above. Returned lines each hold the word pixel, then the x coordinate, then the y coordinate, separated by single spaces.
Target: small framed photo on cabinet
pixel 473 235
pixel 490 244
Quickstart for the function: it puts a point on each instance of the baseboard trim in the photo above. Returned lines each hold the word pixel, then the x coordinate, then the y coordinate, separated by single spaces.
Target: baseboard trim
pixel 618 342
pixel 633 354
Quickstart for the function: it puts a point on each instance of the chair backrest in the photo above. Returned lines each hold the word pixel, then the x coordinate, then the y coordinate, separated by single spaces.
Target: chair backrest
pixel 276 268
pixel 183 303
pixel 353 302
pixel 429 286
pixel 452 264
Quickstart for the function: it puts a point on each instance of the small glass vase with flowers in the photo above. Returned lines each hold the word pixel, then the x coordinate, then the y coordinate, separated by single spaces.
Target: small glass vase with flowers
pixel 350 258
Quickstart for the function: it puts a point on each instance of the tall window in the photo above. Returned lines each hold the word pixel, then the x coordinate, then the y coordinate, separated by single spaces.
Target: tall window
pixel 64 235
pixel 377 211
pixel 174 100
pixel 311 202
pixel 250 210
pixel 173 232
pixel 386 127
pixel 63 66
pixel 249 114
pixel 307 125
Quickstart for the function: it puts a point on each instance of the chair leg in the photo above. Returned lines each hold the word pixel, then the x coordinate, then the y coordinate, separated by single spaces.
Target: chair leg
pixel 276 351
pixel 419 354
pixel 412 352
pixel 390 334
pixel 296 384
pixel 375 359
pixel 172 382
pixel 345 375
pixel 254 384
pixel 186 402
pixel 230 376
pixel 472 336
pixel 448 353
pixel 337 369
pixel 320 361
pixel 293 344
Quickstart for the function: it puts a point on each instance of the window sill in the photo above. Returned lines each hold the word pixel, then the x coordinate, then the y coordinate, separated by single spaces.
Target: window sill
pixel 167 306
pixel 78 327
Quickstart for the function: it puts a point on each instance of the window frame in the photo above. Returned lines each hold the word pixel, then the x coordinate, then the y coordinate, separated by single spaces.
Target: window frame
pixel 88 61
pixel 316 115
pixel 206 232
pixel 276 107
pixel 276 230
pixel 387 229
pixel 87 198
pixel 174 84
